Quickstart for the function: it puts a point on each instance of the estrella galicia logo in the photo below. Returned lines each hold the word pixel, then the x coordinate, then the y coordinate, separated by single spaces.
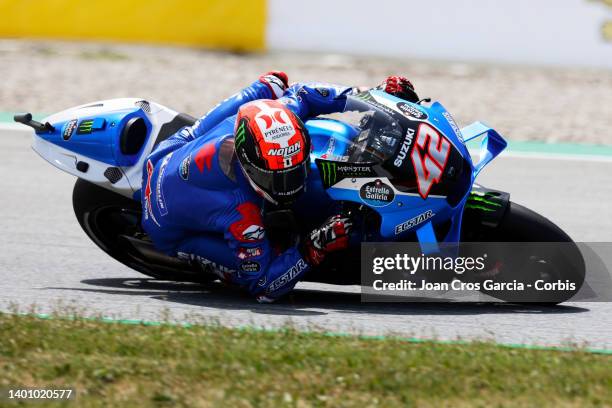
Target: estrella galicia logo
pixel 69 129
pixel 184 167
pixel 410 111
pixel 250 266
pixel 376 193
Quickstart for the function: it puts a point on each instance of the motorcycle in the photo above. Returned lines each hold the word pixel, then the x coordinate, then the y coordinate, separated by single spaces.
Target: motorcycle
pixel 402 169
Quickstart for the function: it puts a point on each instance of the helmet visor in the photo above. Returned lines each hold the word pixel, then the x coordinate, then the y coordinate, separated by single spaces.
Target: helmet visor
pixel 284 185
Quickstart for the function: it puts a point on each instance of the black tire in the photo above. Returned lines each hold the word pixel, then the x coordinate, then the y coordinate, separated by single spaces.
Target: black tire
pixel 519 224
pixel 108 218
pixel 556 258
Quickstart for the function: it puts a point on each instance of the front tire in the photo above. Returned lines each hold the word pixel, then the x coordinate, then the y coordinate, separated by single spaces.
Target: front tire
pixel 553 257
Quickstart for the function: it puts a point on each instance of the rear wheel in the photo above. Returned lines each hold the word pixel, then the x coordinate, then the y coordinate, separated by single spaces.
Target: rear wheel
pixel 112 221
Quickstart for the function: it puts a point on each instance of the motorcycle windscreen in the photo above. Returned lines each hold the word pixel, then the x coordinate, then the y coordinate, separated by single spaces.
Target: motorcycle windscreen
pixel 379 133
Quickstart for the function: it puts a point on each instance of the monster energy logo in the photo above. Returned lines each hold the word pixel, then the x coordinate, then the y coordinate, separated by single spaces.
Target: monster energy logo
pixel 483 201
pixel 329 172
pixel 240 135
pixel 366 96
pixel 85 126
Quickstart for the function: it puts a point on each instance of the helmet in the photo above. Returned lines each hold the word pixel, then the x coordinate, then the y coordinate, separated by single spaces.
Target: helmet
pixel 273 148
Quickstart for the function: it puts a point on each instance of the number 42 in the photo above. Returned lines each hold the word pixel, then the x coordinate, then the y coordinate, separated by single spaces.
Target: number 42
pixel 429 157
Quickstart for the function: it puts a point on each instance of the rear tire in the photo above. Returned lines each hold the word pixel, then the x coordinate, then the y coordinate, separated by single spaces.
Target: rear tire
pixel 109 219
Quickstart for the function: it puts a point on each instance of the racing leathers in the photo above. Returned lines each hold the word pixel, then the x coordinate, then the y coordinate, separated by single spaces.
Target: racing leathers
pixel 197 203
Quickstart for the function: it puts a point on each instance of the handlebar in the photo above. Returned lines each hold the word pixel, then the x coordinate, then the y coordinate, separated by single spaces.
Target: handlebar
pixel 26 119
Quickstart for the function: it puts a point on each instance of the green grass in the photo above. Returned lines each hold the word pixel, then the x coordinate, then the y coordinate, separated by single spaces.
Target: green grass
pixel 112 364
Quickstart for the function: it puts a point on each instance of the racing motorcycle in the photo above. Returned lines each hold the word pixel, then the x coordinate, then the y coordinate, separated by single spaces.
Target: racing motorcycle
pixel 402 169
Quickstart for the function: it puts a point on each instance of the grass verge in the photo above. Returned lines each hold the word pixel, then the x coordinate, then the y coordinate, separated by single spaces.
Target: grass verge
pixel 111 364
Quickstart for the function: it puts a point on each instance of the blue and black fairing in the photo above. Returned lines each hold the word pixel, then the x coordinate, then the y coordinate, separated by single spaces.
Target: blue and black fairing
pixel 433 218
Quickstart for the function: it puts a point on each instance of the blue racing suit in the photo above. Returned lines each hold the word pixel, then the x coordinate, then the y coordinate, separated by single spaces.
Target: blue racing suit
pixel 197 203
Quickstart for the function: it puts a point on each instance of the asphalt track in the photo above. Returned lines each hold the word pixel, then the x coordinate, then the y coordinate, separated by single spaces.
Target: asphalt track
pixel 48 264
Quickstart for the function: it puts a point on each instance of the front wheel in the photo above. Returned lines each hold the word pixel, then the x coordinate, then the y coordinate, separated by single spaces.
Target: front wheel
pixel 537 250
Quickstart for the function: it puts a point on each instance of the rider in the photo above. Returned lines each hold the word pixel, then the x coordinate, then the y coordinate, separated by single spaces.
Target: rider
pixel 204 187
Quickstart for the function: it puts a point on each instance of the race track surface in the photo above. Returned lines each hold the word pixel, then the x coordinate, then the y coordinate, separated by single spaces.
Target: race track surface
pixel 47 263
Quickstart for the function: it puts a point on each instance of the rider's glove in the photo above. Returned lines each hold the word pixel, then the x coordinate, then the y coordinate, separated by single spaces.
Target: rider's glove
pixel 332 236
pixel 399 86
pixel 276 81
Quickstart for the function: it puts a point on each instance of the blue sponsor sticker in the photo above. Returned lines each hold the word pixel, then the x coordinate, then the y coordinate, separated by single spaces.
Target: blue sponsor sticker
pixel 184 167
pixel 159 190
